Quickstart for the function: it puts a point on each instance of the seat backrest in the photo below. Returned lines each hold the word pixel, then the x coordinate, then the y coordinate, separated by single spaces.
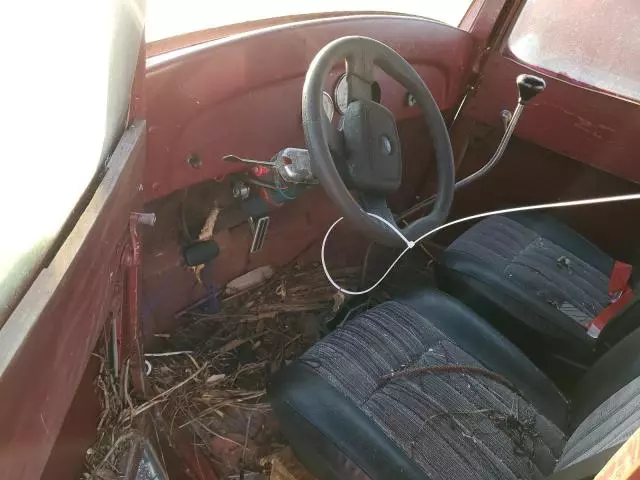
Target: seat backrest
pixel 614 370
pixel 605 405
pixel 604 430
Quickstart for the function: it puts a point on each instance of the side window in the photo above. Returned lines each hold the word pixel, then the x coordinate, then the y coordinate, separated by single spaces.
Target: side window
pixel 594 42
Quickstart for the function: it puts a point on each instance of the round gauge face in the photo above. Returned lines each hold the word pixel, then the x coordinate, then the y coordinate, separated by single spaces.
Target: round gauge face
pixel 327 105
pixel 340 94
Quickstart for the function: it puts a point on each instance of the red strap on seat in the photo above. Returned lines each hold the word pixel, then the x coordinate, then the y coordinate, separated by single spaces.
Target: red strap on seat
pixel 620 276
pixel 620 293
pixel 598 323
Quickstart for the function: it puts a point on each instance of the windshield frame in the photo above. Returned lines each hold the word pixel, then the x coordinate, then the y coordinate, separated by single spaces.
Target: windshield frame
pixel 189 39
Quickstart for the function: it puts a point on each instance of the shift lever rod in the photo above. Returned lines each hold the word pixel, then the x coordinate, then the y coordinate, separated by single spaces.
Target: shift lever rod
pixel 528 87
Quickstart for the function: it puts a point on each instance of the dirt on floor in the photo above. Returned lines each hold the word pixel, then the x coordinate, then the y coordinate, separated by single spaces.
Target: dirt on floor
pixel 208 378
pixel 228 357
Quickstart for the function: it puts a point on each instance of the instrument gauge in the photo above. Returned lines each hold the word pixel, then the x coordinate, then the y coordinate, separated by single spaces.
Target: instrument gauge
pixel 327 105
pixel 341 94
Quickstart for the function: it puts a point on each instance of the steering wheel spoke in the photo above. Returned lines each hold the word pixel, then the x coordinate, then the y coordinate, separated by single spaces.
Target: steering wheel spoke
pixel 376 204
pixel 335 140
pixel 360 67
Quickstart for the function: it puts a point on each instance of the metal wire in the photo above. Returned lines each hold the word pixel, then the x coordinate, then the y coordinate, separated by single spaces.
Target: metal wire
pixel 410 244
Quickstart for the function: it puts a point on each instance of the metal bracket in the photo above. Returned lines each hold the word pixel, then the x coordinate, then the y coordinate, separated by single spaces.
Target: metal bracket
pixel 506 116
pixel 259 228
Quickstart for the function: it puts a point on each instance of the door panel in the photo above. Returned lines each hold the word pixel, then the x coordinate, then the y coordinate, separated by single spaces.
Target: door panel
pixel 587 112
pixel 587 125
pixel 47 341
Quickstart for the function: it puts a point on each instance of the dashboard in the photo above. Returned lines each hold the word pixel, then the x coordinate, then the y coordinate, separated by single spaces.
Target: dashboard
pixel 241 95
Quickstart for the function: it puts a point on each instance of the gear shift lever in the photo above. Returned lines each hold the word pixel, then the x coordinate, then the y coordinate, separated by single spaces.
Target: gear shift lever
pixel 528 87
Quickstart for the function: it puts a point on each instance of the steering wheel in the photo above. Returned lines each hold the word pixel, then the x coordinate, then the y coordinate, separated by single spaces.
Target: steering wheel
pixel 365 155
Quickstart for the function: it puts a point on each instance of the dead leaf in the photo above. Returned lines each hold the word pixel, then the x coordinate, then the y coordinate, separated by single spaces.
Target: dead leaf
pixel 215 378
pixel 207 229
pixel 105 474
pixel 281 290
pixel 338 301
pixel 233 344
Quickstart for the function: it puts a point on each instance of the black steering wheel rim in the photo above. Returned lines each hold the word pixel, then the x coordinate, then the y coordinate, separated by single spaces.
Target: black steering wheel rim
pixel 359 52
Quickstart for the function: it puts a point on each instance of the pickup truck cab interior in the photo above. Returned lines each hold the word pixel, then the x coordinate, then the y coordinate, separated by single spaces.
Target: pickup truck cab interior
pixel 284 267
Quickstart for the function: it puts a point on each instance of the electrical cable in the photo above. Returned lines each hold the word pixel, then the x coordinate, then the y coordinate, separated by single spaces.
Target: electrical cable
pixel 410 244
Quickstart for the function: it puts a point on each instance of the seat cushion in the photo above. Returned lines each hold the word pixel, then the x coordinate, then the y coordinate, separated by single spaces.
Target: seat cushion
pixel 529 270
pixel 345 418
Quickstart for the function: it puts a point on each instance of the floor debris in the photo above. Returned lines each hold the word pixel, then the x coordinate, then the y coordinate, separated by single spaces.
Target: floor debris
pixel 233 352
pixel 285 466
pixel 210 376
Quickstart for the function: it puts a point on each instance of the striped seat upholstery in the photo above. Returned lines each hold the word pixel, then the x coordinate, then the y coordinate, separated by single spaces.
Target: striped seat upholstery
pixel 454 425
pixel 548 272
pixel 433 409
pixel 535 279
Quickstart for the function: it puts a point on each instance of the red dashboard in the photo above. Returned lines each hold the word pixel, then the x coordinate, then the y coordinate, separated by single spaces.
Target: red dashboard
pixel 242 94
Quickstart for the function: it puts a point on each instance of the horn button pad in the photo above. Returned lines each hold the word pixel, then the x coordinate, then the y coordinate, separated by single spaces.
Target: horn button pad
pixel 374 162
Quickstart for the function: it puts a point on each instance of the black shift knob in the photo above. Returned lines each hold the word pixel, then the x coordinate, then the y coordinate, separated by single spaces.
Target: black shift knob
pixel 529 86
